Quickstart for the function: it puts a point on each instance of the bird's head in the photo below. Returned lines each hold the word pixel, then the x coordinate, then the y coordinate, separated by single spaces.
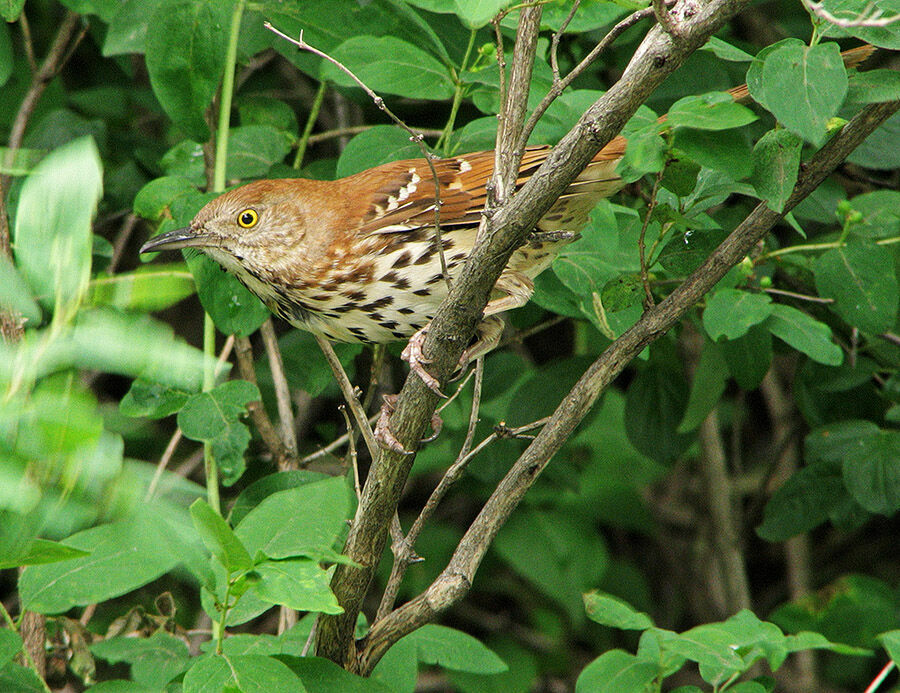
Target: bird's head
pixel 255 225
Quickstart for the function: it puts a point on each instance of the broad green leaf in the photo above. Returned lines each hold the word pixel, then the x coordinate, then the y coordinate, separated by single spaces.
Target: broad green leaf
pixel 301 521
pixel 861 278
pixel 879 150
pixel 128 27
pixel 153 400
pixel 616 671
pixel 623 291
pixel 870 458
pixel 891 642
pixel 240 673
pixel 749 357
pixel 219 538
pixel 124 555
pixel 297 583
pixel 555 552
pixel 10 645
pixel 776 162
pixel 707 386
pixel 154 200
pixel 804 87
pixel 214 417
pixel 654 406
pixel 265 110
pixel 727 151
pixel 53 223
pixel 645 152
pixel 884 36
pixel 253 149
pixel 6 55
pixel 804 501
pixel 453 649
pixel 730 313
pixel 687 250
pixel 476 13
pixel 154 661
pixel 611 611
pixel 805 334
pixel 725 51
pixel 880 210
pixel 11 9
pixel 145 289
pixel 42 551
pixel 185 54
pixel 19 679
pixel 375 146
pixel 712 111
pixel 389 65
pixel 324 676
pixel 15 294
pixel 262 488
pixel 233 308
pixel 874 86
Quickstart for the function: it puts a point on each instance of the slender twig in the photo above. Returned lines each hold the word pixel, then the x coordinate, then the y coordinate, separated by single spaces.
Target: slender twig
pixel 333 445
pixel 882 675
pixel 284 457
pixel 651 205
pixel 356 129
pixel 359 414
pixel 311 118
pixel 559 86
pixel 351 450
pixel 282 391
pixel 872 16
pixel 121 241
pixel 414 135
pixel 404 554
pixel 28 41
pixel 557 35
pixel 799 297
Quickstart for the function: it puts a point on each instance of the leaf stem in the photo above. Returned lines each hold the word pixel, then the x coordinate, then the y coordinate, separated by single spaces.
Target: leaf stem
pixel 812 247
pixel 310 122
pixel 444 139
pixel 225 99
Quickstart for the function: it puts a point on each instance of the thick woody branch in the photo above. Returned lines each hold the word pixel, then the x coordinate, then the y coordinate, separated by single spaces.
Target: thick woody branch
pixel 456 578
pixel 657 57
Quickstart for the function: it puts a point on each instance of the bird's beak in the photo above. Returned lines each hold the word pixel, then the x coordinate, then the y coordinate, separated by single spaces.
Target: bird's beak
pixel 174 240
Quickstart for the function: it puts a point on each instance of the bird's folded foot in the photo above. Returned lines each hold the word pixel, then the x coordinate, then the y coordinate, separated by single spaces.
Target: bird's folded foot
pixel 413 355
pixel 385 436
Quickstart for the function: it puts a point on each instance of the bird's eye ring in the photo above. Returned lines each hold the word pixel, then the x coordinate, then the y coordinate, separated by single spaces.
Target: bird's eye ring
pixel 248 218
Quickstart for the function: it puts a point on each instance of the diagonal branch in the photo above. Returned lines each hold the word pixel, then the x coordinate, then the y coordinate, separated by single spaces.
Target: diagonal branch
pixel 453 583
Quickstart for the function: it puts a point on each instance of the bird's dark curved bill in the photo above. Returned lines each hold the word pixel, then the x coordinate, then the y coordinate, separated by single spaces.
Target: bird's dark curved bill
pixel 174 240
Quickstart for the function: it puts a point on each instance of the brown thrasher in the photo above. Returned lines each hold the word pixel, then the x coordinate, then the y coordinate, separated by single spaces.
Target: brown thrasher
pixel 356 259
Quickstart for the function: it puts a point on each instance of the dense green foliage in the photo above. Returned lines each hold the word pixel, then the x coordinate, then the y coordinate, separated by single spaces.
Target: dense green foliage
pixel 773 407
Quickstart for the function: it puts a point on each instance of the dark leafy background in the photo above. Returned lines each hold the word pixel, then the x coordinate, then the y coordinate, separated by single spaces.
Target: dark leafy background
pixel 612 570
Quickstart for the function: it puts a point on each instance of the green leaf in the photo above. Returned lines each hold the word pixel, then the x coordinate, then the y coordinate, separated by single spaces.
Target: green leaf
pixel 11 9
pixel 375 146
pixel 645 152
pixel 261 489
pixel 730 313
pixel 623 291
pixel 41 551
pixel 776 163
pixel 219 538
pixel 749 357
pixel 870 458
pixel 476 13
pixel 686 251
pixel 301 521
pixel 244 673
pixel 725 51
pixel 145 289
pixel 124 555
pixel 154 661
pixel 616 671
pixel 153 400
pixel 6 56
pixel 884 36
pixel 874 86
pixel 389 65
pixel 185 55
pixel 10 645
pixel 155 199
pixel 727 151
pixel 324 676
pixel 128 27
pixel 297 583
pixel 15 295
pixel 611 611
pixel 861 278
pixel 53 223
pixel 453 649
pixel 804 87
pixel 265 110
pixel 708 385
pixel 19 679
pixel 253 149
pixel 233 308
pixel 214 417
pixel 891 643
pixel 713 111
pixel 804 501
pixel 805 334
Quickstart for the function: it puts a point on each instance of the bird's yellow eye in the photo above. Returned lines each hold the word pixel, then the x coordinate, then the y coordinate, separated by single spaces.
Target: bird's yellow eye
pixel 248 218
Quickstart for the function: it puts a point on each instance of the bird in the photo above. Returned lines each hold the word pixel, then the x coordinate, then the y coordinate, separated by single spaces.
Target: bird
pixel 358 259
